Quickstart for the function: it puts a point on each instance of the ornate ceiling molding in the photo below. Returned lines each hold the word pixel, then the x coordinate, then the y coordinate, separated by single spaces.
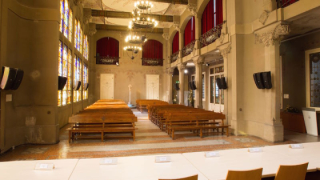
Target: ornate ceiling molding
pixel 176 22
pixel 225 51
pixel 87 17
pixel 79 2
pixel 92 29
pixel 192 8
pixel 125 28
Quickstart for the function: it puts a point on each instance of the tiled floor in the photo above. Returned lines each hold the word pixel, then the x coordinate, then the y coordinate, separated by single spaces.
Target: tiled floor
pixel 149 140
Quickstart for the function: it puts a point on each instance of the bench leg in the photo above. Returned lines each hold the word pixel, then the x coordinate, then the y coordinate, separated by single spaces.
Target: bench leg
pixel 134 135
pixel 102 136
pixel 201 133
pixel 172 134
pixel 227 132
pixel 69 136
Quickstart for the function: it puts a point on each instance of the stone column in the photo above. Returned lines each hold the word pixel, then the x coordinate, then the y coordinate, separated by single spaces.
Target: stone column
pixel 273 130
pixel 198 61
pixel 169 76
pixel 181 43
pixel 197 31
pixel 181 68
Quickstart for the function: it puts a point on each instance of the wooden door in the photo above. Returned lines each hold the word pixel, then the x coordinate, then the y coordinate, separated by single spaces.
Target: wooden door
pixel 107 86
pixel 152 91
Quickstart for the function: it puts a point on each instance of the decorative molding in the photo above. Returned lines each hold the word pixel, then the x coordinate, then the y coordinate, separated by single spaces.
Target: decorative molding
pixel 263 17
pixel 181 67
pixel 165 36
pixel 92 29
pixel 198 60
pixel 222 35
pixel 79 2
pixel 169 71
pixel 224 52
pixel 192 8
pixel 176 22
pixel 87 17
pixel 268 38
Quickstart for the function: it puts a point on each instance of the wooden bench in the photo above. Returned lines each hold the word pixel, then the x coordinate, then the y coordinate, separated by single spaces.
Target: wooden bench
pixel 143 104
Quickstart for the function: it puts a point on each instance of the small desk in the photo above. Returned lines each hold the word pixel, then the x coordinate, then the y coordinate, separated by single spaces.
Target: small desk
pixel 17 170
pixel 135 168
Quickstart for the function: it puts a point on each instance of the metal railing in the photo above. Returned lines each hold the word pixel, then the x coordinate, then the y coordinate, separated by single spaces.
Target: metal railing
pixel 211 36
pixel 174 56
pixel 107 60
pixel 152 62
pixel 285 3
pixel 188 48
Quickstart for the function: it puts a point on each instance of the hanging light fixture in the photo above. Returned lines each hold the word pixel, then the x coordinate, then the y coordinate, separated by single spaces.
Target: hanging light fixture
pixel 133 49
pixel 136 39
pixel 141 15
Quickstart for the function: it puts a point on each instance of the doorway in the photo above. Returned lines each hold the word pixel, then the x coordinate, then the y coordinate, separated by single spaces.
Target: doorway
pixel 107 86
pixel 152 82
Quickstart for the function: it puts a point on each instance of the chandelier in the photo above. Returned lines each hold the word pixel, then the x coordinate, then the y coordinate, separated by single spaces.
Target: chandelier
pixel 141 15
pixel 135 39
pixel 133 49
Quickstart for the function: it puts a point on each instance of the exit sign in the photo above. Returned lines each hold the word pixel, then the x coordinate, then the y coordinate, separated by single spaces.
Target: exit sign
pixel 177 81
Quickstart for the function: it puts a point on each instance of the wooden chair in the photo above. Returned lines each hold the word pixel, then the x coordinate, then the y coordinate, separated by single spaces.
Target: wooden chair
pixel 255 174
pixel 195 177
pixel 294 172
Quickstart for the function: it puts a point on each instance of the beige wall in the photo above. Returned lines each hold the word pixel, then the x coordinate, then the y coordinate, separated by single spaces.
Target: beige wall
pixel 129 71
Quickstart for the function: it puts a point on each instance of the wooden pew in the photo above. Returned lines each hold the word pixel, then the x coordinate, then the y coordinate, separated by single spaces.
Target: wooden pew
pixel 143 104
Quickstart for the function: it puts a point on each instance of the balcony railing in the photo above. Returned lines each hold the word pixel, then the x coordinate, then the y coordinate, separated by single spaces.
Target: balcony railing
pixel 107 60
pixel 210 36
pixel 188 49
pixel 285 3
pixel 152 62
pixel 174 56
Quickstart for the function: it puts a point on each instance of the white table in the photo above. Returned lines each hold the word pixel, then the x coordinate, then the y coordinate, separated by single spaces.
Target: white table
pixel 216 168
pixel 135 168
pixel 18 170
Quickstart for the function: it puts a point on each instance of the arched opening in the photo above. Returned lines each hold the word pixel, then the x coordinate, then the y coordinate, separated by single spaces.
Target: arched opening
pixel 152 53
pixel 107 51
pixel 189 37
pixel 175 47
pixel 211 22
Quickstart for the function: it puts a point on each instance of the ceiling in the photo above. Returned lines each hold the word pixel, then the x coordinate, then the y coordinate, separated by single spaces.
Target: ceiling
pixel 165 7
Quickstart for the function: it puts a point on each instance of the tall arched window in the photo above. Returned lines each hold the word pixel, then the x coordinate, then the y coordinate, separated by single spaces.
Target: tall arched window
pixel 107 51
pixel 152 53
pixel 189 37
pixel 175 47
pixel 212 19
pixel 189 32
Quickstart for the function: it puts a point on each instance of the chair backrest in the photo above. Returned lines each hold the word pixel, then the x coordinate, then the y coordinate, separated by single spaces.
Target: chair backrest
pixel 195 177
pixel 292 172
pixel 255 174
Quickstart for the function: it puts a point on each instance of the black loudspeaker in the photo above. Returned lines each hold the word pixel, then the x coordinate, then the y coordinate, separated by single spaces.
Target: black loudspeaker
pixel 219 83
pixel 17 81
pixel 61 82
pixel 194 85
pixel 267 79
pixel 224 83
pixel 177 87
pixel 7 78
pixel 77 85
pixel 258 80
pixel 190 85
pixel 86 86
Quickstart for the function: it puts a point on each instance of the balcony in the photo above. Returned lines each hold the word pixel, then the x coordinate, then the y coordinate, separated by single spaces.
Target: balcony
pixel 211 36
pixel 152 62
pixel 188 49
pixel 174 56
pixel 107 60
pixel 285 3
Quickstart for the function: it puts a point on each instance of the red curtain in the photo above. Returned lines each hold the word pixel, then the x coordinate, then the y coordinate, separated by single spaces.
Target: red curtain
pixel 108 47
pixel 152 49
pixel 189 32
pixel 212 15
pixel 286 3
pixel 175 43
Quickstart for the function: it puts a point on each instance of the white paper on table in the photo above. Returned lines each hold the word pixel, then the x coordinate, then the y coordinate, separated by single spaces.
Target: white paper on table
pixel 108 161
pixel 162 159
pixel 255 150
pixel 296 146
pixel 211 154
pixel 44 166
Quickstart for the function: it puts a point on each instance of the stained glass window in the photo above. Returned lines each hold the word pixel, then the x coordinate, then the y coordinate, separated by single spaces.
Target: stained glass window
pixel 78 38
pixel 65 71
pixel 66 19
pixel 86 48
pixel 85 81
pixel 77 78
pixel 76 33
pixel 314 79
pixel 81 40
pixel 61 13
pixel 216 96
pixel 70 25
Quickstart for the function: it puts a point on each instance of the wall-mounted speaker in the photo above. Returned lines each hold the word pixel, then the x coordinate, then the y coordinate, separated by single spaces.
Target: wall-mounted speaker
pixel 86 86
pixel 177 87
pixel 17 81
pixel 258 80
pixel 219 83
pixel 77 85
pixel 267 79
pixel 224 83
pixel 192 85
pixel 7 77
pixel 61 82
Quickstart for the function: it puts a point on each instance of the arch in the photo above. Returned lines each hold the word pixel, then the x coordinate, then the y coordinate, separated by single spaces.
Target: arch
pixel 107 46
pixel 189 31
pixel 212 15
pixel 175 43
pixel 152 49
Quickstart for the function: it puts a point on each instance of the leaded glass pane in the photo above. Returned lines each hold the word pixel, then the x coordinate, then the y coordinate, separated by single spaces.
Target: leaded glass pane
pixel 315 80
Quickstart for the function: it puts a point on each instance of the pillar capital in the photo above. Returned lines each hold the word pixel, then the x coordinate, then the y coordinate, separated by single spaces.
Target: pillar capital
pixel 92 29
pixel 169 71
pixel 176 22
pixel 181 67
pixel 198 60
pixel 192 7
pixel 269 35
pixel 87 15
pixel 225 51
